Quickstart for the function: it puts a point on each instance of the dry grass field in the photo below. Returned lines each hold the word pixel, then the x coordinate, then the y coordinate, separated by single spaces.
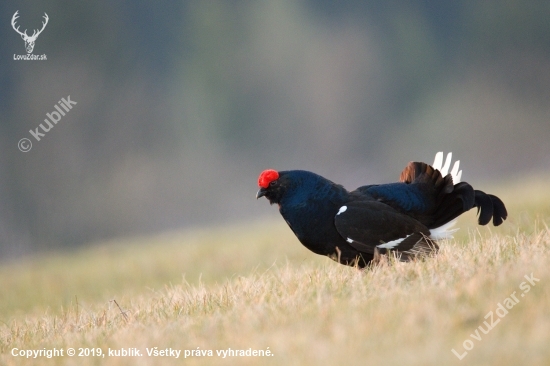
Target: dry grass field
pixel 253 289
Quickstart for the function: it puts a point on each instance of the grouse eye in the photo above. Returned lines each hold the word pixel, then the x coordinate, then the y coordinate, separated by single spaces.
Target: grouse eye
pixel 273 183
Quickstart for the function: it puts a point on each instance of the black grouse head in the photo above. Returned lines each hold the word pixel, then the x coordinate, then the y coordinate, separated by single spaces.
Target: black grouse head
pixel 291 187
pixel 270 186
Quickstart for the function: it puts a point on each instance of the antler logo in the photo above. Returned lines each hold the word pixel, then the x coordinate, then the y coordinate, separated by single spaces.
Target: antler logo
pixel 29 40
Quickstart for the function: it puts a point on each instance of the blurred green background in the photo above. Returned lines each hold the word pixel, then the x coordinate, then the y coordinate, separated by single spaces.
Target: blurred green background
pixel 181 104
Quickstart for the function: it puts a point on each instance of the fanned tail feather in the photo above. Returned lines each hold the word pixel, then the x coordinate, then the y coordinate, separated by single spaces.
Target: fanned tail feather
pixel 444 169
pixel 489 206
pixel 450 200
pixel 452 197
pixel 454 204
pixel 422 173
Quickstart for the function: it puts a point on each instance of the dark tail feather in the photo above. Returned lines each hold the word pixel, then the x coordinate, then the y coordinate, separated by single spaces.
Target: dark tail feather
pixel 422 173
pixel 489 206
pixel 499 210
pixel 451 200
pixel 484 207
pixel 454 204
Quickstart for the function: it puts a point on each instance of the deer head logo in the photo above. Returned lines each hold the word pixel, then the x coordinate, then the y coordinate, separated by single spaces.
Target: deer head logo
pixel 29 40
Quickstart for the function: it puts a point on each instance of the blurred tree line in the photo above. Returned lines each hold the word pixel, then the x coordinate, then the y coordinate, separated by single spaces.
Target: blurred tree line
pixel 182 104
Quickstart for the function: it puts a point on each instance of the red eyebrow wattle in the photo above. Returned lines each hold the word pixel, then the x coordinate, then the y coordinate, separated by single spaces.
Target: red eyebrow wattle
pixel 267 177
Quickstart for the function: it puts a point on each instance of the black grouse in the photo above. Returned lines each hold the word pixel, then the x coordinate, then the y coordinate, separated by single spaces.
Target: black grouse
pixel 407 217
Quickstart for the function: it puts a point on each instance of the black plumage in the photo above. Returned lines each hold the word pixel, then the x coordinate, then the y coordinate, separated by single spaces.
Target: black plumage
pixel 352 227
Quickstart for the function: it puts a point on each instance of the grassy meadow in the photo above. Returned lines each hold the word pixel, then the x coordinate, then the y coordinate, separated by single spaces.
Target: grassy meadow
pixel 254 287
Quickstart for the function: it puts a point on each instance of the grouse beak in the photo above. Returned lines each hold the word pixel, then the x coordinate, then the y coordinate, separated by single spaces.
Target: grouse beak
pixel 261 192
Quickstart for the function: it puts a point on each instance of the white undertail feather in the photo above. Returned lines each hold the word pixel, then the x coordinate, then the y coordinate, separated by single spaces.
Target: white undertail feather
pixel 438 161
pixel 444 169
pixel 444 231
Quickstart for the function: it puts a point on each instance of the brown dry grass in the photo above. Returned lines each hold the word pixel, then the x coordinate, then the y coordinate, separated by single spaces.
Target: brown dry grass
pixel 254 286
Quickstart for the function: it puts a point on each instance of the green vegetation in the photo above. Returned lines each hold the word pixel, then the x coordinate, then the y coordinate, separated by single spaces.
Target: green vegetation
pixel 254 286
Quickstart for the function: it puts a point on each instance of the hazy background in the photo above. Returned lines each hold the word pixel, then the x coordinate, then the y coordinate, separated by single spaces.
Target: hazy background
pixel 182 104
